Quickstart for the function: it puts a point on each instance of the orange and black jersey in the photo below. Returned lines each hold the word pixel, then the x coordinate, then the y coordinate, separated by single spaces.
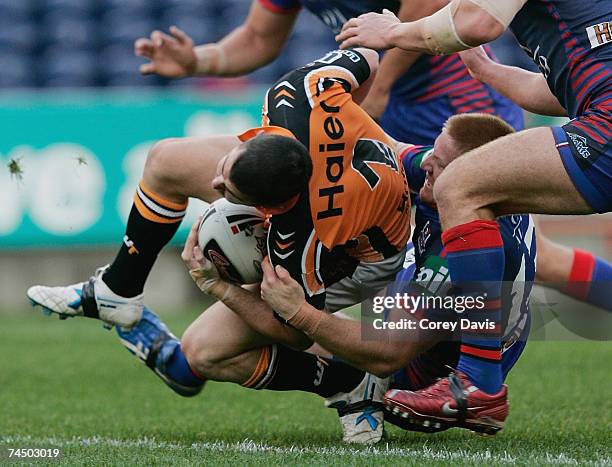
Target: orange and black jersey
pixel 357 207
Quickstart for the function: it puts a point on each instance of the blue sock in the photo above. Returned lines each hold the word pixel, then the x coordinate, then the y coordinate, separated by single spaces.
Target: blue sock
pixel 601 284
pixel 475 256
pixel 177 368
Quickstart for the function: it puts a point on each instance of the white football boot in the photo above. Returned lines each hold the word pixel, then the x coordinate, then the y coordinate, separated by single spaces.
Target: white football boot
pixel 92 299
pixel 361 410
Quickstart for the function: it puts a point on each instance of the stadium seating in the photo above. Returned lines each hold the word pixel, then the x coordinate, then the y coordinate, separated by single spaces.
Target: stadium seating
pixel 90 42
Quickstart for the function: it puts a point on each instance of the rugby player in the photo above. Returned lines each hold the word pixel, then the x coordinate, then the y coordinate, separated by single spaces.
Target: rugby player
pixel 382 356
pixel 412 95
pixel 558 170
pixel 339 206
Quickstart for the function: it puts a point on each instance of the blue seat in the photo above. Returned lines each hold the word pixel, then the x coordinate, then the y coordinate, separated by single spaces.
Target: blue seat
pixel 124 27
pixel 231 16
pixel 17 70
pixel 19 35
pixel 143 5
pixel 84 7
pixel 12 10
pixel 68 30
pixel 201 28
pixel 121 67
pixel 198 4
pixel 66 67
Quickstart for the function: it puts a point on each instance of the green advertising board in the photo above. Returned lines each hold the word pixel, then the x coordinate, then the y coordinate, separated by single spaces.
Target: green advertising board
pixel 69 163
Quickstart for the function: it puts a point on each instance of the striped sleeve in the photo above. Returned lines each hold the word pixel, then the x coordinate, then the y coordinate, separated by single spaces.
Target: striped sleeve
pixel 411 160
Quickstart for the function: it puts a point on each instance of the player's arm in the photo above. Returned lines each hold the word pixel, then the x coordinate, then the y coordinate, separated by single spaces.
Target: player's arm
pixel 362 91
pixel 460 25
pixel 258 41
pixel 355 68
pixel 528 89
pixel 396 61
pixel 258 314
pixel 411 157
pixel 342 337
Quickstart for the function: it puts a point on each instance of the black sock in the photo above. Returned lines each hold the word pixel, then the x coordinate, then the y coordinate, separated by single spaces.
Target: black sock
pixel 152 223
pixel 283 369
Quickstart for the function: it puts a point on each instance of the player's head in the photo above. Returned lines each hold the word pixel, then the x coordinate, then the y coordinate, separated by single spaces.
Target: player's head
pixel 461 134
pixel 267 170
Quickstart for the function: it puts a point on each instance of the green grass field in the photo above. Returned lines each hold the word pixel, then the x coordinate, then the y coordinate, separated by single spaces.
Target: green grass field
pixel 71 385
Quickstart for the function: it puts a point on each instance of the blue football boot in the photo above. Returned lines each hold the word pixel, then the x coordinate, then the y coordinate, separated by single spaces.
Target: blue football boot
pixel 152 342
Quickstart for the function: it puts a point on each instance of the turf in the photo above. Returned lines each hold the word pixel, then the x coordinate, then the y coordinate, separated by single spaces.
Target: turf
pixel 71 385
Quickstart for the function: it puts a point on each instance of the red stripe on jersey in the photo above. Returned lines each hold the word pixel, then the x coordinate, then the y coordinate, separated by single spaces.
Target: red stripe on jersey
pixel 474 235
pixel 579 281
pixel 587 86
pixel 488 354
pixel 582 266
pixel 480 94
pixel 587 130
pixel 492 304
pixel 584 73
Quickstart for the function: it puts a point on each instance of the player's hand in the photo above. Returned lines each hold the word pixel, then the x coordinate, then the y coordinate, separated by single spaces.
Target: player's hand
pixel 280 290
pixel 202 271
pixel 171 56
pixel 367 30
pixel 375 102
pixel 476 60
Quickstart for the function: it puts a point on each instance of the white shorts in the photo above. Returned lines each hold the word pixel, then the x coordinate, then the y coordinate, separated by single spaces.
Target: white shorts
pixel 367 280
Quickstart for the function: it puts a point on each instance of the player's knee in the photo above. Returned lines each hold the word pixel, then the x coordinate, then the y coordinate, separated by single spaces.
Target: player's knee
pixel 396 359
pixel 383 369
pixel 160 162
pixel 447 191
pixel 201 354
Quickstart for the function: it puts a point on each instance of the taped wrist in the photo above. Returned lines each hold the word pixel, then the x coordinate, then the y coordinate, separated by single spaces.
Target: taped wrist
pixel 307 319
pixel 214 60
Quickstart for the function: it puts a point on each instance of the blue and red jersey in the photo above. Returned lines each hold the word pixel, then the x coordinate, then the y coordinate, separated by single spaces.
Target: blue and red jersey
pixel 427 272
pixel 571 42
pixel 428 79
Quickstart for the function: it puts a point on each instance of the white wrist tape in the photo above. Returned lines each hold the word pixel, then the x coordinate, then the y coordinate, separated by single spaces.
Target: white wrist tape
pixel 503 11
pixel 214 60
pixel 439 31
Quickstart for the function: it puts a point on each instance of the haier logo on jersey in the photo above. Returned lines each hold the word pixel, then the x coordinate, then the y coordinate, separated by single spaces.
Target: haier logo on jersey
pixel 600 34
pixel 580 142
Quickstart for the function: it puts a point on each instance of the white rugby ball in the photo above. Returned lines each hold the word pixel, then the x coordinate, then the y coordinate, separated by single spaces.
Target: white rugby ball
pixel 232 236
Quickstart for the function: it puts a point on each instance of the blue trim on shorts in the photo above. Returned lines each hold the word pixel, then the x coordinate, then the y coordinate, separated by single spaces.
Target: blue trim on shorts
pixel 592 195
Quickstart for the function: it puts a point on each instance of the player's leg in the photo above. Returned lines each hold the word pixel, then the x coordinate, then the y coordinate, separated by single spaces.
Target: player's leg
pixel 220 346
pixel 519 173
pixel 175 170
pixel 574 272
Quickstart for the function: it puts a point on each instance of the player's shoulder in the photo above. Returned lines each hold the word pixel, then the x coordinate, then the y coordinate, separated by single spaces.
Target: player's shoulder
pixel 349 68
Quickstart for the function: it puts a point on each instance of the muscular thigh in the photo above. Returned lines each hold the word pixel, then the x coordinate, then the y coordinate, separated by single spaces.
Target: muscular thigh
pixel 185 167
pixel 518 173
pixel 219 334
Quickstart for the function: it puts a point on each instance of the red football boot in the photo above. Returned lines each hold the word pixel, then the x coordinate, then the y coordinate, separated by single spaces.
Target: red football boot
pixel 451 402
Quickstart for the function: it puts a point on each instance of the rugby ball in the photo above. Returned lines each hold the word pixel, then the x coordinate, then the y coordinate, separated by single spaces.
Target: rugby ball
pixel 232 236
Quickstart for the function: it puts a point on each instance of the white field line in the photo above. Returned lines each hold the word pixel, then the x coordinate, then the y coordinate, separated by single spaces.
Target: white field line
pixel 249 446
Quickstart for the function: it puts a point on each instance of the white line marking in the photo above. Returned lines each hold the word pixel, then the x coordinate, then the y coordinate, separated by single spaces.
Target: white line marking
pixel 250 446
